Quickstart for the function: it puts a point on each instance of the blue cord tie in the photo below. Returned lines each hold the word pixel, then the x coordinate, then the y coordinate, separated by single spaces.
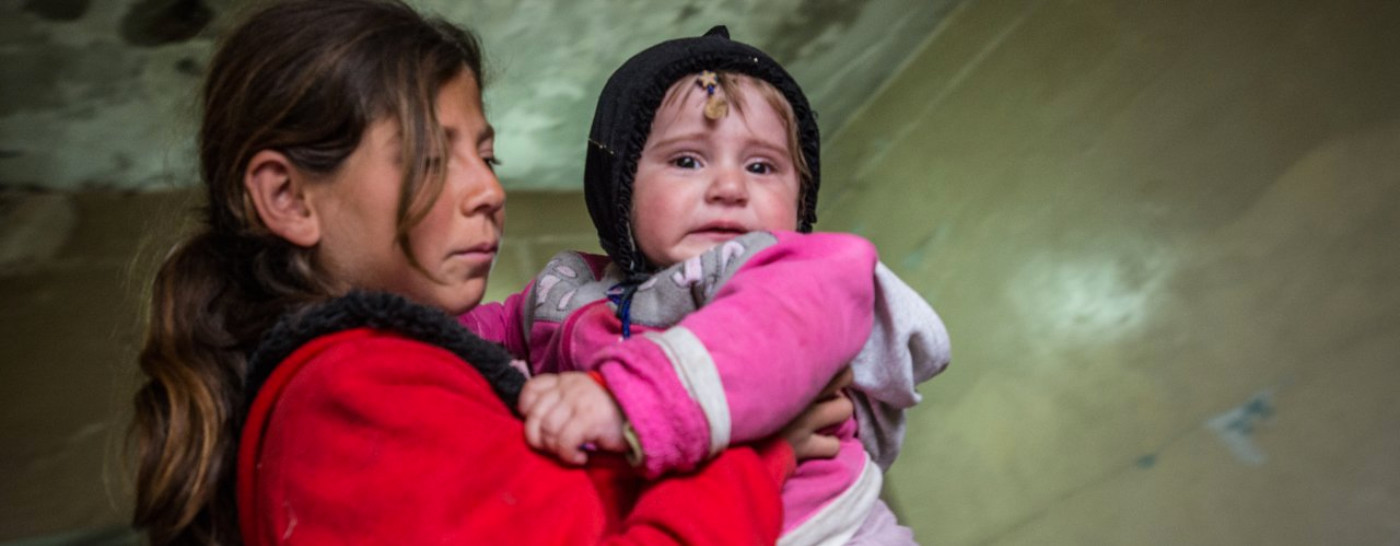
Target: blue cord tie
pixel 620 294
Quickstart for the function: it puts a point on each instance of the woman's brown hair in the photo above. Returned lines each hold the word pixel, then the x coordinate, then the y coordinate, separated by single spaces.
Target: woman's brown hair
pixel 304 78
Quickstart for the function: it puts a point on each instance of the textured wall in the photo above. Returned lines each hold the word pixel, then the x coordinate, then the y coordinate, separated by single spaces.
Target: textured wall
pixel 1163 236
pixel 102 95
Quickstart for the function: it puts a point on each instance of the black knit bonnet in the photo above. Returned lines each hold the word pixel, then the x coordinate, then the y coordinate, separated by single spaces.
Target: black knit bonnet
pixel 623 120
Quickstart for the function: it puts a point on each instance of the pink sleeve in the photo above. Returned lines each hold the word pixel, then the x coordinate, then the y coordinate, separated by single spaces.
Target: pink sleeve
pixel 749 361
pixel 501 323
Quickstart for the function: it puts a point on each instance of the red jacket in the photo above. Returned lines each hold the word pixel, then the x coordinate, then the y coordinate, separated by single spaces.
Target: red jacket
pixel 367 437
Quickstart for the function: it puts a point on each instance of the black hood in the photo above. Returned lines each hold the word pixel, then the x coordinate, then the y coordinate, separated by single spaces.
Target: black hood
pixel 623 119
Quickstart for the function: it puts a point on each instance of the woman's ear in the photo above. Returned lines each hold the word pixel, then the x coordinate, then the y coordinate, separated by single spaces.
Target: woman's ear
pixel 278 193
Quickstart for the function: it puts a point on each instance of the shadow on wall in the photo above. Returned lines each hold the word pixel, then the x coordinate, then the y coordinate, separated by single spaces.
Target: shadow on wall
pixel 73 267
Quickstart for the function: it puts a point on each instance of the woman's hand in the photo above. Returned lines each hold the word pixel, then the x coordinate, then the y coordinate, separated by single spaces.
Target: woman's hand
pixel 831 408
pixel 565 411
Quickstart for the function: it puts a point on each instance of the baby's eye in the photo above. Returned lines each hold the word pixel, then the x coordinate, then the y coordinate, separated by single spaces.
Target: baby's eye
pixel 685 162
pixel 761 167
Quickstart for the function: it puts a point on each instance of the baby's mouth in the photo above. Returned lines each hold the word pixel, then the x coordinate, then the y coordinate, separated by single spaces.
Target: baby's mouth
pixel 721 229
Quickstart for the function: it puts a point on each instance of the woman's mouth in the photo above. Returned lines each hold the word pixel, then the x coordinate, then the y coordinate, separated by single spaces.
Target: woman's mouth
pixel 484 252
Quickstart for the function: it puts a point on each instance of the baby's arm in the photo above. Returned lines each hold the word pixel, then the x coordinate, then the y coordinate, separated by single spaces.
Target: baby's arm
pixel 759 351
pixel 567 410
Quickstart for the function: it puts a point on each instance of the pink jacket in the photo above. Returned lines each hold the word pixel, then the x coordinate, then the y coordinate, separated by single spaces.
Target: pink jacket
pixel 783 312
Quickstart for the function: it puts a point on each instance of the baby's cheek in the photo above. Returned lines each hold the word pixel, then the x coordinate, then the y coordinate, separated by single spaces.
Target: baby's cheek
pixel 780 221
pixel 778 213
pixel 779 225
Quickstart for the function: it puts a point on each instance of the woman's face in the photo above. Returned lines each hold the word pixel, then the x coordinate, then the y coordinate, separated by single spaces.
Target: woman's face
pixel 456 242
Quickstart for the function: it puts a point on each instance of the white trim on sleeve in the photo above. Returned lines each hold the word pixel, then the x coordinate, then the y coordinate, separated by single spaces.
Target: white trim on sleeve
pixel 697 373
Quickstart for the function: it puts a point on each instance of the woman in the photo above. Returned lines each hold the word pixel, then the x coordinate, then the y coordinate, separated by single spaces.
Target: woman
pixel 306 383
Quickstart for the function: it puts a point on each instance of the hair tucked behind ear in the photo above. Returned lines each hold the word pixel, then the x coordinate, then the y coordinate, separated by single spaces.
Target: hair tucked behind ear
pixel 304 78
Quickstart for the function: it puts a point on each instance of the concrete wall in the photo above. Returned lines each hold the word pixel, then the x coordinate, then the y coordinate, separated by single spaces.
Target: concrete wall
pixel 72 268
pixel 1163 236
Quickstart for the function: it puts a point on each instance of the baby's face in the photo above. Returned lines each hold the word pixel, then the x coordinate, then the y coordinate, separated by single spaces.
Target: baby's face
pixel 701 182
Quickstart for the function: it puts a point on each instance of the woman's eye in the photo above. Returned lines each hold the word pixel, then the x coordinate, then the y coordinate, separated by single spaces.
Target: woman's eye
pixel 685 162
pixel 491 162
pixel 761 167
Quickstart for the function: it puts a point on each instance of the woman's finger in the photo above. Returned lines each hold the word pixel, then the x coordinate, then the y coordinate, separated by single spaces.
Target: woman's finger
pixel 841 381
pixel 817 446
pixel 829 412
pixel 802 434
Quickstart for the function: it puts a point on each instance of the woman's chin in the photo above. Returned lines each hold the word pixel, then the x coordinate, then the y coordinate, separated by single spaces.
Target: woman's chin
pixel 462 303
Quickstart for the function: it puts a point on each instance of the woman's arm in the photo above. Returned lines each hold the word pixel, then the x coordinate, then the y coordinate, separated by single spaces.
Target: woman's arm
pixel 385 440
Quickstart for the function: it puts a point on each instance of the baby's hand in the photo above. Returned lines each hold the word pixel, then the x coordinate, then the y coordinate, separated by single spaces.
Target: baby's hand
pixel 564 411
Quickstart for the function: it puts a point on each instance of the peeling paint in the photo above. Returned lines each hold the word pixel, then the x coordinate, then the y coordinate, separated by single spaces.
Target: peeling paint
pixel 1147 461
pixel 159 22
pixel 686 13
pixel 797 35
pixel 1236 427
pixel 132 65
pixel 189 67
pixel 58 10
pixel 33 229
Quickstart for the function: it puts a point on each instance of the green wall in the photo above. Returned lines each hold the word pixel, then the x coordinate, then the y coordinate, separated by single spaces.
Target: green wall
pixel 1164 238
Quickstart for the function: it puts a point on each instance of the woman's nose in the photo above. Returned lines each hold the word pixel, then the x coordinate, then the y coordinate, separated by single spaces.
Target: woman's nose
pixel 484 193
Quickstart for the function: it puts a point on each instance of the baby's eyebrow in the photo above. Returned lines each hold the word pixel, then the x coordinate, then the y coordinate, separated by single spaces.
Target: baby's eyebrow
pixel 778 149
pixel 687 137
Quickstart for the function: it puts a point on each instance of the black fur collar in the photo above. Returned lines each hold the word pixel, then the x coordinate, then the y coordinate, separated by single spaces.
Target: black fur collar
pixel 382 311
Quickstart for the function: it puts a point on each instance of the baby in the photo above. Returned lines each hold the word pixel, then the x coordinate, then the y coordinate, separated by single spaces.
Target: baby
pixel 715 318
